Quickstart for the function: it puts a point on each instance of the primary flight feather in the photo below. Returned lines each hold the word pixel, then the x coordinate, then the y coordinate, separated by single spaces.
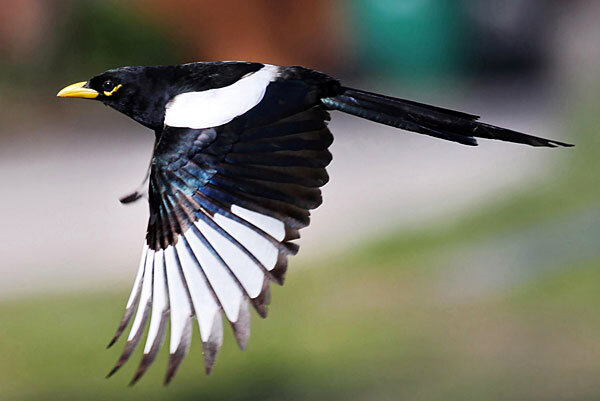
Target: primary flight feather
pixel 240 156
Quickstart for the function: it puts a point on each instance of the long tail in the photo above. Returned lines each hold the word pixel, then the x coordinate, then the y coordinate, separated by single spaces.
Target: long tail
pixel 425 119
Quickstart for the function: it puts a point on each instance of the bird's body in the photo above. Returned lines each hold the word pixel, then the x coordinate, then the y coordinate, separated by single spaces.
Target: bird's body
pixel 240 156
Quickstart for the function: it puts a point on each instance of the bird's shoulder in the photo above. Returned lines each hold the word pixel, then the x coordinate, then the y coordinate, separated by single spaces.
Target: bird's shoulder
pixel 201 76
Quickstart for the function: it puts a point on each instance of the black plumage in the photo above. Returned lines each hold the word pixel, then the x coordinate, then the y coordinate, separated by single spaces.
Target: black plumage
pixel 240 155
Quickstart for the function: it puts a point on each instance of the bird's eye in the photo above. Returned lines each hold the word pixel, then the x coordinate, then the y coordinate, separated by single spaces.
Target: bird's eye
pixel 108 85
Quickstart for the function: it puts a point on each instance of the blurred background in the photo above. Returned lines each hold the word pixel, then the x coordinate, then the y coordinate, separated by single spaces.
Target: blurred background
pixel 432 271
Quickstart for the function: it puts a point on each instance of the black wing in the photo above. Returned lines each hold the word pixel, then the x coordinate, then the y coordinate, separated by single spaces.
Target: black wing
pixel 225 204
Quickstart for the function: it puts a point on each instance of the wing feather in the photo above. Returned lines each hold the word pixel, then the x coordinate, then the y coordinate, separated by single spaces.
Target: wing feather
pixel 133 298
pixel 226 289
pixel 225 202
pixel 158 317
pixel 181 313
pixel 139 322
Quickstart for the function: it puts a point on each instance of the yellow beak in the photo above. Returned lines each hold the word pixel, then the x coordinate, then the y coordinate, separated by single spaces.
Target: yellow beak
pixel 77 90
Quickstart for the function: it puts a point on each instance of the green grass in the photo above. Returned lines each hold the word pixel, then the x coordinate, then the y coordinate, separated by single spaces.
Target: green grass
pixel 374 323
pixel 332 333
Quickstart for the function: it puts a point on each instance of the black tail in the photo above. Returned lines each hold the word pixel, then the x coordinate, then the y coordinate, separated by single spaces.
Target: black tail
pixel 425 119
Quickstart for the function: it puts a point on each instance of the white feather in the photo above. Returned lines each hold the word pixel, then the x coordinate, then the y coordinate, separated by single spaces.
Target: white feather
pixel 138 277
pixel 244 268
pixel 203 300
pixel 227 290
pixel 214 107
pixel 258 245
pixel 159 299
pixel 268 224
pixel 145 296
pixel 181 310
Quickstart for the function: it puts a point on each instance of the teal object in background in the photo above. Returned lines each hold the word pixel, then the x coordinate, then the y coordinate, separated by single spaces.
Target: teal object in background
pixel 409 39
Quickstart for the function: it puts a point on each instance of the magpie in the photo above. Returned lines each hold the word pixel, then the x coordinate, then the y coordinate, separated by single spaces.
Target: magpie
pixel 241 150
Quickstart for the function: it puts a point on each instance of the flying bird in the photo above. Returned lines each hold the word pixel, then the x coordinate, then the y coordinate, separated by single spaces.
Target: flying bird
pixel 239 158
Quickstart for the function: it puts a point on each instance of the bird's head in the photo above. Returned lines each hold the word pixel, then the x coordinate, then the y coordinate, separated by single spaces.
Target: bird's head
pixel 134 91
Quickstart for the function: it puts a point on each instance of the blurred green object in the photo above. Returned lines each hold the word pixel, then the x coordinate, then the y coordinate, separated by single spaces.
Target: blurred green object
pixel 102 34
pixel 409 39
pixel 88 37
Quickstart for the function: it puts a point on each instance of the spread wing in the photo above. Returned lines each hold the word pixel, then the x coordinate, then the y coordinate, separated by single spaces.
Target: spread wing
pixel 225 204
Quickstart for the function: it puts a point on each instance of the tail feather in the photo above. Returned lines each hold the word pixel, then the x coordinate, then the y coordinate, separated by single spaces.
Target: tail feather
pixel 434 121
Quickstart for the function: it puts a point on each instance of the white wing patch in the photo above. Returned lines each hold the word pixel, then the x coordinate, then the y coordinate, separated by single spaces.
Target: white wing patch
pixel 218 264
pixel 241 265
pixel 159 303
pixel 214 107
pixel 261 247
pixel 205 304
pixel 142 311
pixel 138 279
pixel 228 292
pixel 181 310
pixel 268 224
